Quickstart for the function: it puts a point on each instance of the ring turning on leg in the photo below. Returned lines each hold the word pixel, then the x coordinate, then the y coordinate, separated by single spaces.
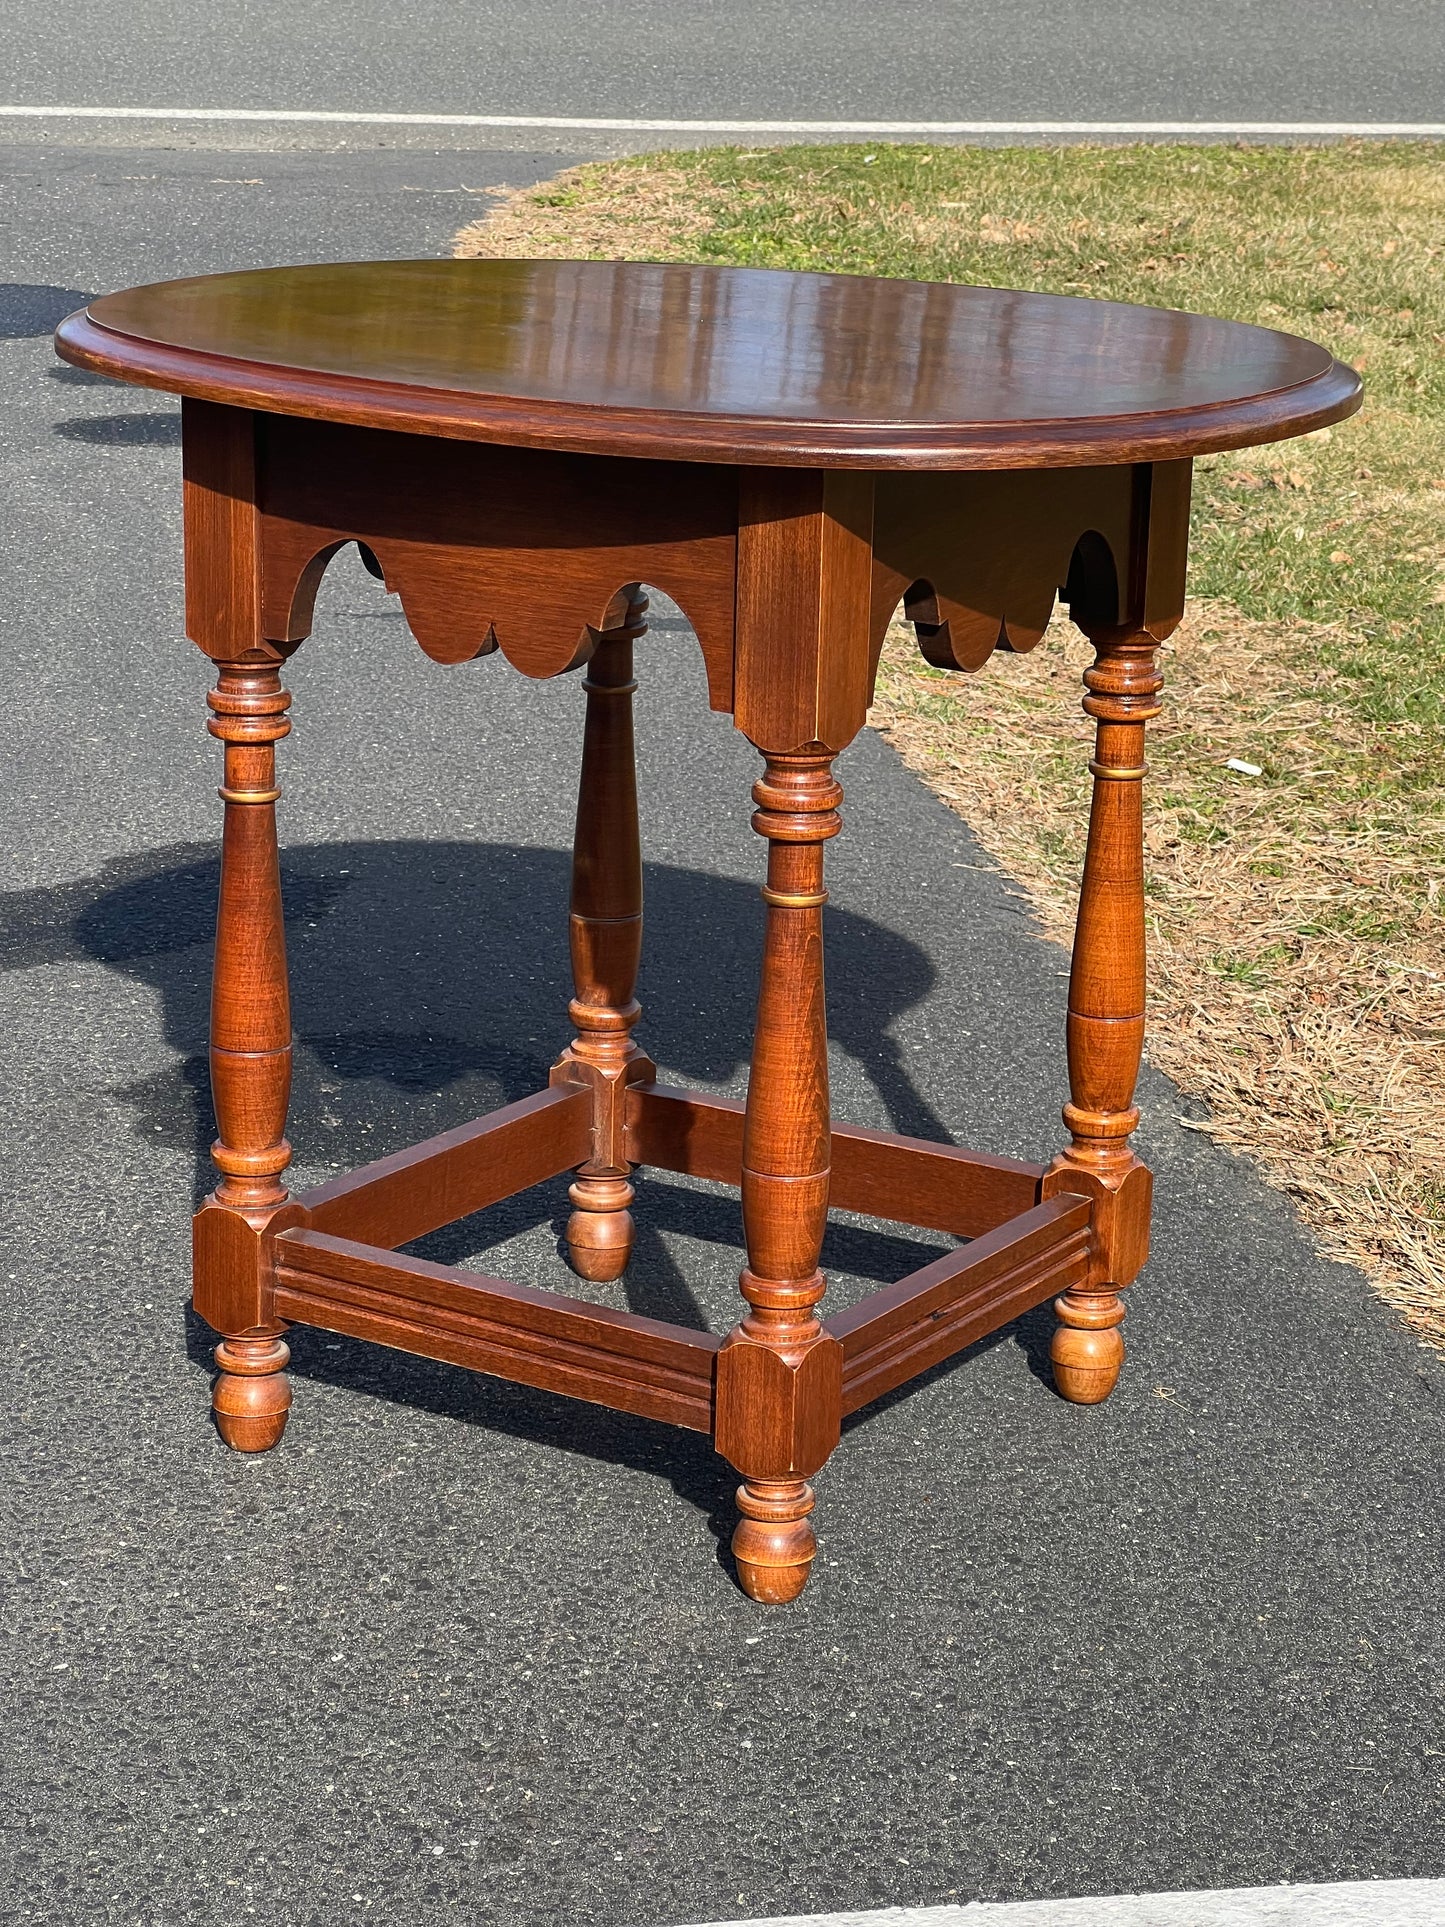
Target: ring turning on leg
pixel 606 932
pixel 250 1070
pixel 779 1373
pixel 1106 1020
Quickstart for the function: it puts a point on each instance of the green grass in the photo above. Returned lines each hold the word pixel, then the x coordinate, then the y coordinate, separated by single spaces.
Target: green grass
pixel 1295 918
pixel 1343 243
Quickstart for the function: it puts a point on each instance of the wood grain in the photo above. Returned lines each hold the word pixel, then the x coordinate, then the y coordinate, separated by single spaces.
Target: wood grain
pixel 779 1379
pixel 250 1058
pixel 804 564
pixel 606 932
pixel 590 1352
pixel 222 532
pixel 448 1177
pixel 936 1187
pixel 978 560
pixel 1105 1031
pixel 518 447
pixel 532 552
pixel 689 363
pixel 910 1327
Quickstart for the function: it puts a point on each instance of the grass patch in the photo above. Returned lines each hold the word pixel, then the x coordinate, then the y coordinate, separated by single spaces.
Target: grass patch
pixel 1295 917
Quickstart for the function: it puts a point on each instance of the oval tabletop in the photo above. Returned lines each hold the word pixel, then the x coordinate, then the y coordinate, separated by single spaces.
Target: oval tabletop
pixel 717 364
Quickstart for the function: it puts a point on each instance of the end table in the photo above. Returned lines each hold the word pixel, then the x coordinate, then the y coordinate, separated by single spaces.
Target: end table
pixel 517 447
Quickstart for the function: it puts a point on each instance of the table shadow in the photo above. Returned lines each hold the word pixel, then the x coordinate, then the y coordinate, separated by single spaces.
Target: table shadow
pixel 29 309
pixel 429 983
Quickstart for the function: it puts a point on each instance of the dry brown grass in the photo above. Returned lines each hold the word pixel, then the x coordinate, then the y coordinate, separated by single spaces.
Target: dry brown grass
pixel 1295 920
pixel 1345 243
pixel 1294 962
pixel 653 216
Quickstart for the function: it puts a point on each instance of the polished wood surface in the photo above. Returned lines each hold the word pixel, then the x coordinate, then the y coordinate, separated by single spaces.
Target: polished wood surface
pixel 606 944
pixel 717 364
pixel 522 550
pixel 780 1372
pixel 475 428
pixel 937 1187
pixel 1105 1028
pixel 450 1176
pixel 592 1352
pixel 935 1313
pixel 250 1065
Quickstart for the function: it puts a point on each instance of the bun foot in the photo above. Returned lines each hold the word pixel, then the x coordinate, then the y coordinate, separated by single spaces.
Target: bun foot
pixel 774 1544
pixel 600 1230
pixel 1087 1351
pixel 252 1397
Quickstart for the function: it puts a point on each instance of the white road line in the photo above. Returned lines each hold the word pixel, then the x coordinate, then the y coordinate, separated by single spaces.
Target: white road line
pixel 1351 1903
pixel 927 129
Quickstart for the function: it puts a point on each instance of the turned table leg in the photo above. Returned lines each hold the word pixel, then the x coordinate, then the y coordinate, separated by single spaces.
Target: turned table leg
pixel 779 1374
pixel 606 933
pixel 250 1070
pixel 1106 1021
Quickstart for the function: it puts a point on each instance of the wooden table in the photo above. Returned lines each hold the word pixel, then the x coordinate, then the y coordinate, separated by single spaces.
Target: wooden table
pixel 516 447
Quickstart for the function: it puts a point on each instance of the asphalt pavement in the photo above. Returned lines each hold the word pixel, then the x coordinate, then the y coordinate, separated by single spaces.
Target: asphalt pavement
pixel 461 1651
pixel 758 59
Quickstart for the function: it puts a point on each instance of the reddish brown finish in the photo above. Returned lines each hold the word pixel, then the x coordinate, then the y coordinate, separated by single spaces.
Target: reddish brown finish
pixel 222 535
pixel 978 559
pixel 909 1327
pixel 252 1396
pixel 779 1372
pixel 804 576
pixel 518 447
pixel 532 1337
pixel 524 550
pixel 448 1177
pixel 1106 983
pixel 690 363
pixel 250 1064
pixel 606 951
pixel 937 1187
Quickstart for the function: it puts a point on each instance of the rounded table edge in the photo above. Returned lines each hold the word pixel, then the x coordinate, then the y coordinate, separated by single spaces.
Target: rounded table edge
pixel 726 441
